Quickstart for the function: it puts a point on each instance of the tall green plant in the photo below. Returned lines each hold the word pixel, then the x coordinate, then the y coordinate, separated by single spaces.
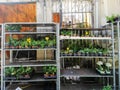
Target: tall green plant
pixel 108 87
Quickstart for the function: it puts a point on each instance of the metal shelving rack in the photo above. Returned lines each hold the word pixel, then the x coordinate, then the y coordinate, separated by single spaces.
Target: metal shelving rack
pixel 117 26
pixel 1 49
pixel 44 29
pixel 68 70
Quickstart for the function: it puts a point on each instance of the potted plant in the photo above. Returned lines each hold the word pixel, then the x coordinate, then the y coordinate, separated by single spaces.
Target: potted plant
pixel 49 72
pixel 50 43
pixel 70 52
pixel 24 72
pixel 13 28
pixel 53 71
pixel 81 52
pixel 100 67
pixel 105 52
pixel 108 87
pixel 22 44
pixel 10 73
pixel 63 33
pixel 42 43
pixel 20 72
pixel 100 53
pixel 13 42
pixel 28 42
pixel 68 33
pixel 94 52
pixel 87 33
pixel 75 49
pixel 86 50
pixel 110 19
pixel 107 68
pixel 45 71
pixel 28 72
pixel 34 44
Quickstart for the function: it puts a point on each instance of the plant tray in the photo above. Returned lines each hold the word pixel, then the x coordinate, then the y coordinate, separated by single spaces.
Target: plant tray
pixel 19 78
pixel 100 72
pixel 104 73
pixel 24 78
pixel 10 78
pixel 50 77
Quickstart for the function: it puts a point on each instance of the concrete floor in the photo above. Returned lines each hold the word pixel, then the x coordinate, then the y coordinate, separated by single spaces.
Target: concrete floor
pixel 63 87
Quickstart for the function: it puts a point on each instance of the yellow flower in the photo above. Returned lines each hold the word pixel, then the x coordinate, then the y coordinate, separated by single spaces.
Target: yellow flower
pixel 28 40
pixel 86 33
pixel 67 48
pixel 46 38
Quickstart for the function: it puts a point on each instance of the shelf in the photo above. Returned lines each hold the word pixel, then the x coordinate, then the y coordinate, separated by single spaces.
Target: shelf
pixel 35 78
pixel 81 73
pixel 86 29
pixel 85 57
pixel 76 12
pixel 31 64
pixel 85 38
pixel 47 32
pixel 40 24
pixel 31 49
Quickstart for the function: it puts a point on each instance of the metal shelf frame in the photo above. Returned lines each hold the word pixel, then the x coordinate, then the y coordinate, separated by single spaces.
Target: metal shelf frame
pixel 82 73
pixel 1 49
pixel 51 28
pixel 87 71
pixel 118 49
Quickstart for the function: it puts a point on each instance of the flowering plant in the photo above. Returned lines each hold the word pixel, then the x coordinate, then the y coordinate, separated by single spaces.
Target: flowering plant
pixel 100 67
pixel 108 66
pixel 99 63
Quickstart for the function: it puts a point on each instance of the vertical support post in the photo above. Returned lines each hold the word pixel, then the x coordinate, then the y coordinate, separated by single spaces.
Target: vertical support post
pixel 114 81
pixel 2 56
pixel 60 7
pixel 96 14
pixel 58 58
pixel 118 32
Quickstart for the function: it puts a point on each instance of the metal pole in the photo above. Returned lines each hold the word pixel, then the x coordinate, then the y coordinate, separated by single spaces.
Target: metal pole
pixel 2 56
pixel 58 57
pixel 60 7
pixel 118 52
pixel 114 81
pixel 96 13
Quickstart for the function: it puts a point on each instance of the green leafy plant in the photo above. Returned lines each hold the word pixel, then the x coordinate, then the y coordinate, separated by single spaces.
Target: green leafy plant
pixel 13 42
pixel 108 87
pixel 54 69
pixel 105 52
pixel 18 71
pixel 34 44
pixel 28 70
pixel 66 33
pixel 111 18
pixel 22 43
pixel 50 43
pixel 10 71
pixel 42 43
pixel 13 27
pixel 49 71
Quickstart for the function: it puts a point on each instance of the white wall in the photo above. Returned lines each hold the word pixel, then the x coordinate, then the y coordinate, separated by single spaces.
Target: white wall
pixel 15 0
pixel 107 8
